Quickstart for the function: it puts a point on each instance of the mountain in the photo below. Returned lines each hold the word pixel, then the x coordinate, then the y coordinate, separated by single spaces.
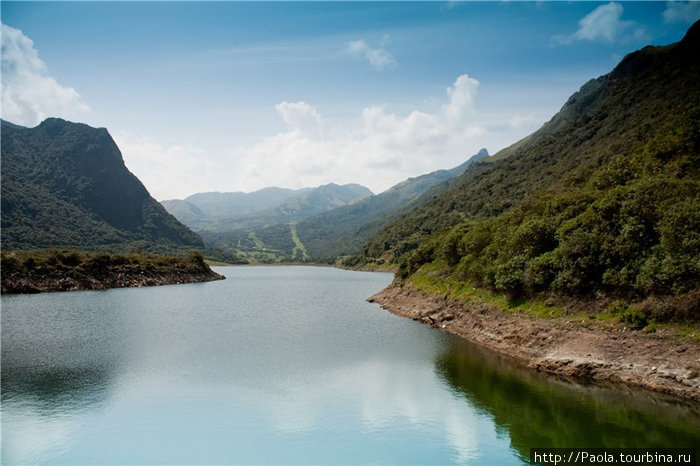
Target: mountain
pixel 320 199
pixel 333 232
pixel 211 212
pixel 65 185
pixel 344 230
pixel 216 204
pixel 183 210
pixel 604 198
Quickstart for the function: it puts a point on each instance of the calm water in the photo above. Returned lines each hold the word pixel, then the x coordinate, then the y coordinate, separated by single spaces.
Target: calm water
pixel 284 365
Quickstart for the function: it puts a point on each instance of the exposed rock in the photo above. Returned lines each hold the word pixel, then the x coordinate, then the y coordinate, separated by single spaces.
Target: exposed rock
pixel 559 346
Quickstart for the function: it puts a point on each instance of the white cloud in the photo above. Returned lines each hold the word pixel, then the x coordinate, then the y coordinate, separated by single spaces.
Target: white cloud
pixel 167 170
pixel 35 437
pixel 522 120
pixel 462 97
pixel 604 24
pixel 300 116
pixel 29 93
pixel 380 393
pixel 379 148
pixel 379 57
pixel 681 12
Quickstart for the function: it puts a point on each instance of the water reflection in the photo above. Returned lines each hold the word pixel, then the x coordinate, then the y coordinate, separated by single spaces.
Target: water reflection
pixel 42 409
pixel 280 366
pixel 538 411
pixel 56 390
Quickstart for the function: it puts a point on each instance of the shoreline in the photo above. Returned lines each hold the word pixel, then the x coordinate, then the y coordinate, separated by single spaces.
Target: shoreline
pixel 55 271
pixel 559 346
pixel 128 279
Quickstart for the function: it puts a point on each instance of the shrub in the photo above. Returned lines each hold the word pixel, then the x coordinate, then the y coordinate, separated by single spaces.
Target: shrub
pixel 635 318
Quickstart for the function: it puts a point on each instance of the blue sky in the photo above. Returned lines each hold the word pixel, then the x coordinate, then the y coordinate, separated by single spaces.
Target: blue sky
pixel 233 96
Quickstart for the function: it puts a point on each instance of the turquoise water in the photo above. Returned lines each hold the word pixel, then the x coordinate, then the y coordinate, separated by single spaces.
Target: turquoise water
pixel 285 365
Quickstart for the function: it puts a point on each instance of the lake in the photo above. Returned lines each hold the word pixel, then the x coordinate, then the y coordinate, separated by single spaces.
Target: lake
pixel 286 365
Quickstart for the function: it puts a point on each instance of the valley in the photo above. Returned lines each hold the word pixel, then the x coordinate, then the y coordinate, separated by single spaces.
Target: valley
pixel 310 225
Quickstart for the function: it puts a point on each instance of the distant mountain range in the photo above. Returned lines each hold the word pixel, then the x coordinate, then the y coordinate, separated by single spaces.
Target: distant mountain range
pixel 344 230
pixel 222 212
pixel 65 185
pixel 200 206
pixel 315 224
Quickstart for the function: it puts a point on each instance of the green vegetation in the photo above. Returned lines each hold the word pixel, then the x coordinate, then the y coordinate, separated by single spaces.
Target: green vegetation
pixel 635 237
pixel 604 200
pixel 299 251
pixel 270 245
pixel 431 279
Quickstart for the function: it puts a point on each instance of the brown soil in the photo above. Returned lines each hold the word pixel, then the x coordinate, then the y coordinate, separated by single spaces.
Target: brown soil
pixel 653 361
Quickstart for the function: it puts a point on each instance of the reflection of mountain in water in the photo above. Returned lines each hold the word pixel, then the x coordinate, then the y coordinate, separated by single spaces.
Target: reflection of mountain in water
pixel 56 390
pixel 539 412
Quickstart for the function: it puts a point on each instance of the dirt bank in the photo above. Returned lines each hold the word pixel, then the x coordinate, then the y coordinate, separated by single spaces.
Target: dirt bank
pixel 28 272
pixel 563 346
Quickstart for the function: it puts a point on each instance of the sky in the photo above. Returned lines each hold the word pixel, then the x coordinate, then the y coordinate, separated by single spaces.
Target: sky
pixel 237 96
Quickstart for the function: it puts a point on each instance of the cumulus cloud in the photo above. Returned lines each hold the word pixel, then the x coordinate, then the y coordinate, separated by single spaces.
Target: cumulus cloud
pixel 379 57
pixel 300 116
pixel 379 148
pixel 166 170
pixel 461 99
pixel 380 392
pixel 681 12
pixel 522 120
pixel 29 93
pixel 604 24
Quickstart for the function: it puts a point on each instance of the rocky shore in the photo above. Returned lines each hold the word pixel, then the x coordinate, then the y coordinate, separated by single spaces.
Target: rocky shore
pixel 564 346
pixel 61 271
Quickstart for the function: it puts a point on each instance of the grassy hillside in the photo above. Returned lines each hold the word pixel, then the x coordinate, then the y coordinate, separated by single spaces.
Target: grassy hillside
pixel 65 185
pixel 605 198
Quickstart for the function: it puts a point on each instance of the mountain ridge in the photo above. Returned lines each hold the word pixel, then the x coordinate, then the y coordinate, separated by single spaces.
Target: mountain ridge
pixel 342 231
pixel 65 184
pixel 335 232
pixel 267 206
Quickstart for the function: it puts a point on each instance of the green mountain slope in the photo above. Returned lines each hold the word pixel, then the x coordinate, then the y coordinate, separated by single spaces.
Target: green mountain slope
pixel 604 198
pixel 65 185
pixel 344 230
